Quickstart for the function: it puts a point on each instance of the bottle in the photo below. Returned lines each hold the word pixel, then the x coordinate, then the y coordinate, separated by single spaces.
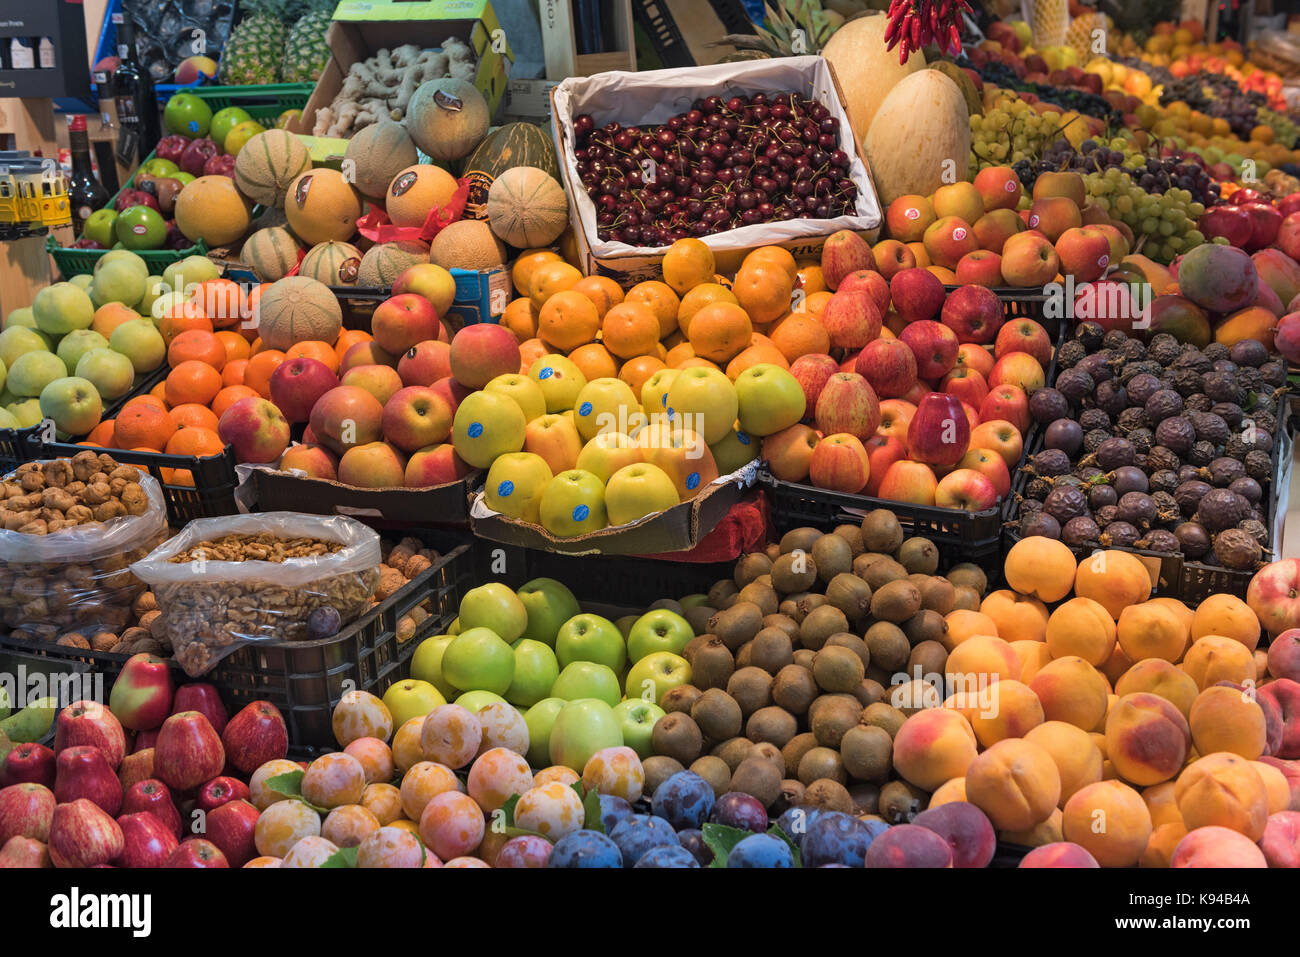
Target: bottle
pixel 133 93
pixel 21 55
pixel 85 192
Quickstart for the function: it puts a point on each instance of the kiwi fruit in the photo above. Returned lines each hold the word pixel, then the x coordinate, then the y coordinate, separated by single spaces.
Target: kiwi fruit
pixel 697 616
pixel 900 802
pixel 763 595
pixel 677 736
pixel 682 698
pixel 832 556
pixel 881 531
pixel 772 550
pixel 837 669
pixel 659 769
pixel 888 645
pixel 799 538
pixel 793 573
pixel 771 650
pixel 810 602
pixel 723 593
pixel 792 795
pixel 769 752
pixel 821 762
pixel 795 749
pixel 937 594
pixel 882 676
pixel 733 751
pixel 916 695
pixel 896 601
pixel 714 770
pixel 925 625
pixel 737 624
pixel 869 691
pixel 867 752
pixel 820 624
pixel 865 797
pixel 667 604
pixel 789 607
pixel 758 777
pixel 771 724
pixel 883 715
pixel 750 567
pixel 743 654
pixel 880 573
pixel 864 561
pixel 803 657
pixel 964 596
pixel 852 642
pixel 853 535
pixel 717 715
pixel 828 795
pixel 851 595
pixel 968 573
pixel 929 658
pixel 919 555
pixel 783 622
pixel 694 645
pixel 752 689
pixel 830 716
pixel 711 662
pixel 794 689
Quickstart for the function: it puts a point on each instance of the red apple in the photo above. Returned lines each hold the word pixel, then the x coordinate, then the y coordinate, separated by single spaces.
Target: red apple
pixel 1083 253
pixel 366 354
pixel 788 453
pixel 452 391
pixel 146 841
pixel 204 698
pixel 196 852
pixel 975 357
pixel 26 811
pixel 966 384
pixel 965 489
pixel 344 418
pixel 999 187
pixel 848 404
pixel 381 381
pixel 908 481
pixel 851 319
pixel 991 465
pixel 939 432
pixel 255 735
pixel 315 461
pixel 892 257
pixel 403 320
pixel 136 766
pixel 840 463
pixel 231 828
pixel 256 429
pixel 1054 215
pixel 1274 595
pixel 142 694
pixel 144 740
pixel 933 344
pixel 153 796
pixel 28 764
pixel 88 722
pixel 882 452
pixel 82 835
pixel 430 281
pixel 983 267
pixel 895 417
pixel 415 417
pixel 1007 403
pixel 812 372
pixel 1028 259
pixel 888 365
pixel 188 751
pixel 844 252
pixel 1288 233
pixel 919 391
pixel 947 239
pixel 24 853
pixel 994 228
pixel 481 352
pixel 82 772
pixel 1022 335
pixel 872 283
pixel 1265 222
pixel 434 465
pixel 908 217
pixel 373 465
pixel 297 383
pixel 1018 369
pixel 219 791
pixel 1001 437
pixel 974 313
pixel 1234 224
pixel 917 294
pixel 425 363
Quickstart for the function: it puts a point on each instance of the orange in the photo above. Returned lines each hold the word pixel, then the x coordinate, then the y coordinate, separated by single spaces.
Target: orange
pixel 800 335
pixel 222 301
pixel 809 278
pixel 196 441
pixel 315 349
pixel 568 320
pixel 181 318
pixel 237 347
pixel 688 263
pixel 720 331
pixel 141 423
pixel 111 315
pixel 636 371
pixel 594 361
pixel 601 290
pixel 527 263
pixel 257 374
pixel 520 318
pixel 550 278
pixel 764 289
pixel 530 350
pixel 229 396
pixel 248 329
pixel 349 338
pixel 697 299
pixel 191 414
pixel 102 435
pixel 679 354
pixel 233 373
pixel 759 352
pixel 661 299
pixel 147 399
pixel 191 381
pixel 814 304
pixel 159 392
pixel 773 256
pixel 198 346
pixel 630 329
pixel 695 361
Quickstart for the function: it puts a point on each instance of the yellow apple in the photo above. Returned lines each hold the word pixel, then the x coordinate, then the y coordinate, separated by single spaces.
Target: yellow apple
pixel 608 452
pixel 735 449
pixel 703 400
pixel 515 484
pixel 604 405
pixel 527 393
pixel 573 504
pixel 686 459
pixel 654 394
pixel 487 424
pixel 560 379
pixel 555 438
pixel 635 491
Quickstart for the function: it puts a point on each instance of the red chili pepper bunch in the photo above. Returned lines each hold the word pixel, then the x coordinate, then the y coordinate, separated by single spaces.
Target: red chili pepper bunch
pixel 914 23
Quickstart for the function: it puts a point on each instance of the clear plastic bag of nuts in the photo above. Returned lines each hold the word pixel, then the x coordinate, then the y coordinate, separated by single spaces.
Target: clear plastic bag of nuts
pixel 225 581
pixel 69 530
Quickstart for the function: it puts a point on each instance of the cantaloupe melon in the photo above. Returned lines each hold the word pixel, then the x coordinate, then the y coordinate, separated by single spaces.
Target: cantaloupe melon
pixel 268 163
pixel 383 263
pixel 920 138
pixel 415 191
pixel 515 144
pixel 212 209
pixel 270 253
pixel 866 71
pixel 526 207
pixel 333 263
pixel 467 244
pixel 295 309
pixel 321 206
pixel 447 118
pixel 377 154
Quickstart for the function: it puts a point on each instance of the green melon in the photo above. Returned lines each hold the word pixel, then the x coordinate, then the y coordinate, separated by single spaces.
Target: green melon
pixel 295 309
pixel 447 118
pixel 383 263
pixel 527 208
pixel 271 252
pixel 268 163
pixel 378 153
pixel 334 263
pixel 515 144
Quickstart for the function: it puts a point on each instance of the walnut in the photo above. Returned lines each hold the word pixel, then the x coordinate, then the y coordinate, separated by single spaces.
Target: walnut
pixel 146 646
pixel 58 473
pixel 144 602
pixel 397 558
pixel 74 639
pixel 78 515
pixel 158 627
pixel 134 499
pixel 418 614
pixel 405 628
pixel 390 582
pixel 81 577
pixel 148 618
pixel 121 648
pixel 111 509
pixel 416 565
pixel 96 493
pixel 103 641
pixel 132 635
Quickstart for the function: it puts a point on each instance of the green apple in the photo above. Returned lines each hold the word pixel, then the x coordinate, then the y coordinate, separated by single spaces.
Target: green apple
pixel 474 701
pixel 183 177
pixel 225 120
pixel 122 255
pixel 426 663
pixel 496 607
pixel 99 226
pixel 734 450
pixel 190 116
pixel 33 371
pixel 539 720
pixel 83 282
pixel 527 393
pixel 454 627
pixel 604 405
pixel 656 674
pixel 487 424
pixel 560 379
pixel 76 344
pixel 654 394
pixel 159 167
pixel 515 484
pixel 22 316
pixel 183 276
pixel 573 504
pixel 624 625
pixel 550 604
pixel 26 412
pixel 478 660
pixel 239 136
pixel 73 403
pixel 140 227
pixel 3 375
pixel 411 698
pixel 659 630
pixel 111 373
pixel 154 289
pixel 703 400
pixel 581 729
pixel 588 637
pixel 117 282
pixel 694 600
pixel 638 490
pixel 606 453
pixel 769 398
pixel 141 342
pixel 164 303
pixel 535 671
pixel 586 679
pixel 637 719
pixel 62 307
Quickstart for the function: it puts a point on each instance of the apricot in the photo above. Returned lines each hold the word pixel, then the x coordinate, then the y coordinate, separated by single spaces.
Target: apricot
pixel 1224 718
pixel 1041 568
pixel 391 847
pixel 1160 848
pixel 1111 821
pixel 980 661
pixel 407 750
pixel 1015 782
pixel 311 851
pixel 261 795
pixel 1149 630
pixel 963 623
pixel 376 759
pixel 556 772
pixel 1033 655
pixel 1078 761
pixel 1289 770
pixel 1059 854
pixel 933 746
pixel 1158 676
pixel 1162 804
pixel 282 825
pixel 1181 611
pixel 1014 614
pixel 1275 786
pixel 1281 840
pixel 1214 846
pixel 1073 691
pixel 452 825
pixel 1214 658
pixel 1004 709
pixel 948 792
pixel 1044 832
pixel 1114 666
pixel 1226 615
pixel 1115 579
pixel 1082 627
pixel 1098 738
pixel 495 775
pixel 1225 790
pixel 1146 739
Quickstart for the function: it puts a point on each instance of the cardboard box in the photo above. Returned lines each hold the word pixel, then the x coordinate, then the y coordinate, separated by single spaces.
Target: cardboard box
pixel 651 98
pixel 439 505
pixel 528 101
pixel 362 27
pixel 480 296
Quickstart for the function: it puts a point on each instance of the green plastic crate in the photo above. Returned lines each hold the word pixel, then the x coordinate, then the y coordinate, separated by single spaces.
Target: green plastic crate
pixel 81 262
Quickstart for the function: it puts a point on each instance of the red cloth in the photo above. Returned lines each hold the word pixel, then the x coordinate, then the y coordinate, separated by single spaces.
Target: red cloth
pixel 745 528
pixel 377 227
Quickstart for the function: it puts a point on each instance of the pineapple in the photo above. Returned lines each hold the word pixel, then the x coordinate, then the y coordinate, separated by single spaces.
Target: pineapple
pixel 1050 20
pixel 306 53
pixel 255 48
pixel 791 28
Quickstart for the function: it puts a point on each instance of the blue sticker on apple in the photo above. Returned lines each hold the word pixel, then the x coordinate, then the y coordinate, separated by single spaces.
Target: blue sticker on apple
pixel 693 480
pixel 194 126
pixel 475 430
pixel 546 373
pixel 663 400
pixel 505 488
pixel 742 438
pixel 671 411
pixel 580 513
pixel 584 409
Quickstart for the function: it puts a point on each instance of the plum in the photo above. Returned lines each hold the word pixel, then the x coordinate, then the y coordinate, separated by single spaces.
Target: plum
pixel 613 809
pixel 582 849
pixel 693 840
pixel 639 834
pixel 836 838
pixel 761 850
pixel 668 855
pixel 684 800
pixel 740 810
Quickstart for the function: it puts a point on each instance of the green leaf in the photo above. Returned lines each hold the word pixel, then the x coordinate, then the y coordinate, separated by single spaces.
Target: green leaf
pixel 775 831
pixel 290 785
pixel 591 811
pixel 721 839
pixel 513 831
pixel 343 857
pixel 508 810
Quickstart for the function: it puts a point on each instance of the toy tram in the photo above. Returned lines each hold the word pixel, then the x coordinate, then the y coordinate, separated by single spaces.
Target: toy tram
pixel 33 195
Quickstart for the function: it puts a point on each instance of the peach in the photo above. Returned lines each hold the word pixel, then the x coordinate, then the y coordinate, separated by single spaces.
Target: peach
pixel 1281 840
pixel 282 825
pixel 1115 579
pixel 384 801
pixel 496 775
pixel 1116 663
pixel 1073 691
pixel 1214 658
pixel 452 825
pixel 1223 789
pixel 1283 698
pixel 1150 630
pixel 451 735
pixel 1015 782
pixel 334 779
pixel 1081 627
pixel 1214 846
pixel 1158 676
pixel 349 825
pixel 1146 739
pixel 422 783
pixel 1033 655
pixel 963 623
pixel 933 746
pixel 1224 718
pixel 1044 832
pixel 390 847
pixel 1284 655
pixel 1162 804
pixel 1111 821
pixel 909 845
pixel 1226 615
pixel 1041 568
pixel 1059 854
pixel 1291 771
pixel 375 757
pixel 1016 614
pixel 1078 761
pixel 1275 786
pixel 979 661
pixel 1003 709
pixel 1160 848
pixel 948 792
pixel 966 829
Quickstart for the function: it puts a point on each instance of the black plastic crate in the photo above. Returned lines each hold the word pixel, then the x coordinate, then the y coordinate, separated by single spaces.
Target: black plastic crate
pixel 47 657
pixel 654 17
pixel 61 673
